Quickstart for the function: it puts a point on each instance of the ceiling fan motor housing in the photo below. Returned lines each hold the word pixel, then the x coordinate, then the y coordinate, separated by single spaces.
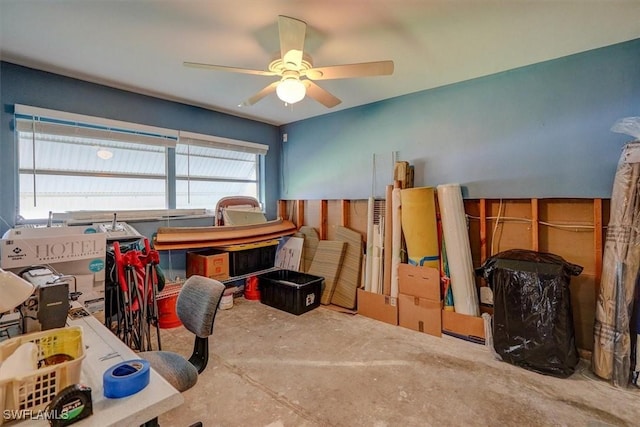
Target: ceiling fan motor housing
pixel 278 66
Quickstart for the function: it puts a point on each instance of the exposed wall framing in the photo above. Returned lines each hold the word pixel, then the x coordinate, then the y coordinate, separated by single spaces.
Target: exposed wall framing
pixel 571 228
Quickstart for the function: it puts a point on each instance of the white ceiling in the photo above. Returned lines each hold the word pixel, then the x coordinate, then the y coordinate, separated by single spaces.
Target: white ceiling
pixel 140 45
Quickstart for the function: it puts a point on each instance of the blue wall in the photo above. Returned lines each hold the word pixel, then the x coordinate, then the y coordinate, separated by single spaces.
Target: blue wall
pixel 538 131
pixel 20 85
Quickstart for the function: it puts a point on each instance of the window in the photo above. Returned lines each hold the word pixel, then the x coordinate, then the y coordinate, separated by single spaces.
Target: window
pixel 69 162
pixel 209 168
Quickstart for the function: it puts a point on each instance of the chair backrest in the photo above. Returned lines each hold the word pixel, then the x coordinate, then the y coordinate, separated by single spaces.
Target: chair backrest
pixel 228 201
pixel 198 303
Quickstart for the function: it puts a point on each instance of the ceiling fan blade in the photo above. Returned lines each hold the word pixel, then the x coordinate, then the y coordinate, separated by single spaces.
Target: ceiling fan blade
pixel 258 96
pixel 231 69
pixel 364 69
pixel 322 96
pixel 292 33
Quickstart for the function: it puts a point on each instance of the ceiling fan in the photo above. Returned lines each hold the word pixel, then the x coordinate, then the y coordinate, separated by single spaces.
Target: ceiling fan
pixel 296 71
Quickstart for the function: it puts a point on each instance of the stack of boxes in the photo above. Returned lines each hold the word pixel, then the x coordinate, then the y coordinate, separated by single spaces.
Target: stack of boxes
pixel 419 300
pixel 419 306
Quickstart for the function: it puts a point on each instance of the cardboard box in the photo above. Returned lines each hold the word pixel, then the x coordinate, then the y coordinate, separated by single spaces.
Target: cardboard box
pixel 420 314
pixel 211 263
pixel 77 251
pixel 463 326
pixel 419 301
pixel 420 306
pixel 22 247
pixel 377 306
pixel 423 282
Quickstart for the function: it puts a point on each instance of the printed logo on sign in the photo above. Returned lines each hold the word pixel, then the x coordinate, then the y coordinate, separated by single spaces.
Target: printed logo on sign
pixel 96 265
pixel 311 298
pixel 58 251
pixel 16 254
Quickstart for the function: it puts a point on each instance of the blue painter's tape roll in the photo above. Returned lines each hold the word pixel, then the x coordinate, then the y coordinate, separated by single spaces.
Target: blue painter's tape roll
pixel 126 378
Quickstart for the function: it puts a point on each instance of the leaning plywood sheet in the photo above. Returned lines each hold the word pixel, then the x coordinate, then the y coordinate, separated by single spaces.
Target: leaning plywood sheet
pixel 214 233
pixel 326 263
pixel 311 240
pixel 348 280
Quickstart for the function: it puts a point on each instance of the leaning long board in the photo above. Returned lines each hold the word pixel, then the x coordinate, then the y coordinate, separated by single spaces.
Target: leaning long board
pixel 215 233
pixel 214 243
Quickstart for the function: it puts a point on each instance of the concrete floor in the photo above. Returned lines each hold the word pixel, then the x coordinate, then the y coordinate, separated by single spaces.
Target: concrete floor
pixel 324 368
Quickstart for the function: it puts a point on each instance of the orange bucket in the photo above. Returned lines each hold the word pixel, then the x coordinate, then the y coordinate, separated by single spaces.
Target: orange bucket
pixel 251 291
pixel 167 316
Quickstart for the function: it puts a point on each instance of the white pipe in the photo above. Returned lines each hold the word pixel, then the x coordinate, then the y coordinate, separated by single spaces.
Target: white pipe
pixel 369 257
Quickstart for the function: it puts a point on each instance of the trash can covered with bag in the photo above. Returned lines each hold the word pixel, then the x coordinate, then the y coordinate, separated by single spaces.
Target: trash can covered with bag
pixel 533 320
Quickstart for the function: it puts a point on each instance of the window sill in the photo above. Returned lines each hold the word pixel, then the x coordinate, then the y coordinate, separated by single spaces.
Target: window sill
pixel 84 217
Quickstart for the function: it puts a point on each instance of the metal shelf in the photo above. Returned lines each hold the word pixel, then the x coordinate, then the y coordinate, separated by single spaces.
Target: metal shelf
pixel 244 276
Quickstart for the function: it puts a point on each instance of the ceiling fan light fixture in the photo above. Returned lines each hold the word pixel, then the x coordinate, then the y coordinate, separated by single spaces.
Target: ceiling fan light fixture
pixel 291 90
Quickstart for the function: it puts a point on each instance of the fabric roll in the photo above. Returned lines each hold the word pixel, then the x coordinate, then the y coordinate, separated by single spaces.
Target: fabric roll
pixel 456 237
pixel 419 226
pixel 620 268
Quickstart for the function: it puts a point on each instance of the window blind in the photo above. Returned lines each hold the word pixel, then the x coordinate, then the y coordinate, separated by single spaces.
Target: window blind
pixel 70 161
pixel 66 124
pixel 221 143
pixel 74 162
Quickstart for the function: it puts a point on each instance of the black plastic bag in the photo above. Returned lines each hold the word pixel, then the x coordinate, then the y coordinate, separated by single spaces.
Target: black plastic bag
pixel 532 319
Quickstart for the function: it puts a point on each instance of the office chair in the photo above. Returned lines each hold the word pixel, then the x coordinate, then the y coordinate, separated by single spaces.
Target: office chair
pixel 196 307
